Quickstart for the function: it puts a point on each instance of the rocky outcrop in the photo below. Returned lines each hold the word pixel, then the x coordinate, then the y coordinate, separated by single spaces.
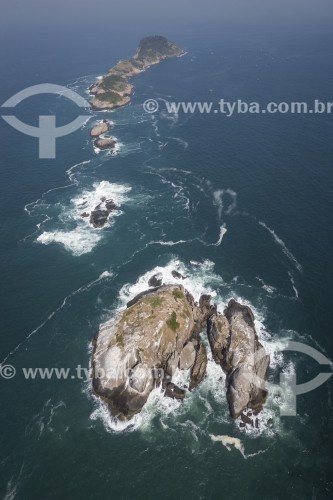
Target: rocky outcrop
pixel 235 346
pixel 187 357
pixel 177 275
pixel 159 333
pixel 101 213
pixel 100 103
pixel 105 143
pixel 155 280
pixel 100 129
pixel 198 371
pixel 147 339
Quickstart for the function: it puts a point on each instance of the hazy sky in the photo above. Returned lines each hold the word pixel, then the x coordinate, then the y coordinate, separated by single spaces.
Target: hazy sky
pixel 157 12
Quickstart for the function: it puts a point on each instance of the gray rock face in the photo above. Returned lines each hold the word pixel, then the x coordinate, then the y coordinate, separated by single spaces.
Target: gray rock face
pixel 98 218
pixel 105 143
pixel 198 371
pixel 159 332
pixel 101 128
pixel 155 280
pixel 187 357
pixel 100 215
pixel 174 392
pixel 148 336
pixel 235 345
pixel 177 275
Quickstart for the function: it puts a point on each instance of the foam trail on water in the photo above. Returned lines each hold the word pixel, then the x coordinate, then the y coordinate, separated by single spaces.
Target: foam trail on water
pixel 104 275
pixel 218 201
pixel 281 243
pixel 293 284
pixel 229 441
pixel 223 231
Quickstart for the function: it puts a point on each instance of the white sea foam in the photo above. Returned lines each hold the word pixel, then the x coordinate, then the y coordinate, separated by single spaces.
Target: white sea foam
pixel 268 288
pixel 293 284
pixel 283 246
pixel 90 198
pixel 78 242
pixel 229 442
pixel 84 238
pixel 223 230
pixel 219 201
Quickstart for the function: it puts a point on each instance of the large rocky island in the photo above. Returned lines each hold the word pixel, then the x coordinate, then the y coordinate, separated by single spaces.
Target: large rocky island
pixel 114 89
pixel 158 333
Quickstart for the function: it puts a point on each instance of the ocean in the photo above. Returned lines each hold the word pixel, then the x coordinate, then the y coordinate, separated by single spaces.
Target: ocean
pixel 241 206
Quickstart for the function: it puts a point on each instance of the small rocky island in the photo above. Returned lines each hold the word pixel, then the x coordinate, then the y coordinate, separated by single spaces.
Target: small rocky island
pixel 159 332
pixel 99 216
pixel 114 90
pixel 101 141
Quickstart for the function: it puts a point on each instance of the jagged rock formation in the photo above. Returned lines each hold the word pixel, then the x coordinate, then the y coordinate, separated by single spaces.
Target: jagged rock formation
pixel 101 213
pixel 144 345
pixel 235 345
pixel 158 332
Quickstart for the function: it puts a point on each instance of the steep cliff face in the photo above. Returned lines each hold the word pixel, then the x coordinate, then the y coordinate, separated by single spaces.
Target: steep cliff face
pixel 235 346
pixel 144 345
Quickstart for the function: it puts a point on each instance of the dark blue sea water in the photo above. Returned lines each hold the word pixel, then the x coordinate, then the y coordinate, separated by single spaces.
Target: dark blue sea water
pixel 267 179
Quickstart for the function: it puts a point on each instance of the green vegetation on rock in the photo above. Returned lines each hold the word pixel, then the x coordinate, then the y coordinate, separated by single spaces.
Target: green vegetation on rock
pixel 114 83
pixel 151 50
pixel 156 301
pixel 177 294
pixel 120 340
pixel 172 322
pixel 111 97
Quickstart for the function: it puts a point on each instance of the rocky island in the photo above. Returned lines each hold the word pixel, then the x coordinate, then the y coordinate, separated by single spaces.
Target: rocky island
pixel 158 333
pixel 114 90
pixel 102 141
pixel 99 216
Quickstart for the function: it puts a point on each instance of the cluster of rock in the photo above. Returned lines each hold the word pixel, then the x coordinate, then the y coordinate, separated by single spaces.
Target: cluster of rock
pixel 159 332
pixel 100 140
pixel 99 216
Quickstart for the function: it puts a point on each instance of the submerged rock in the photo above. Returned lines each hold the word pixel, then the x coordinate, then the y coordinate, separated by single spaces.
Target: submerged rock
pixel 155 280
pixel 98 218
pixel 100 215
pixel 177 275
pixel 269 423
pixel 174 392
pixel 236 347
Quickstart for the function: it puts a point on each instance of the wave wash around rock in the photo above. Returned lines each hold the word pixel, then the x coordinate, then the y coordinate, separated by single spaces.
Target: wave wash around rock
pixel 158 333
